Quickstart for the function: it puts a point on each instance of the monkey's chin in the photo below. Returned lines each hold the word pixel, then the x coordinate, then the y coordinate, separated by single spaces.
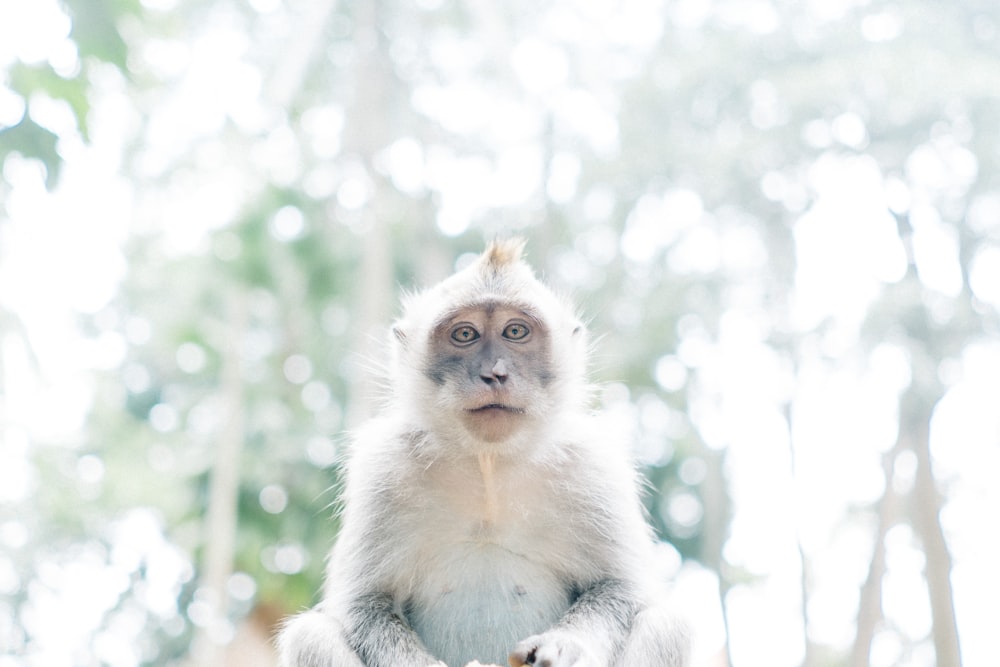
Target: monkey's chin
pixel 494 422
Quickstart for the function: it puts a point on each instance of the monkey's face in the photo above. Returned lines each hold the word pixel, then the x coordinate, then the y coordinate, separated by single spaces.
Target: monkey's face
pixel 491 364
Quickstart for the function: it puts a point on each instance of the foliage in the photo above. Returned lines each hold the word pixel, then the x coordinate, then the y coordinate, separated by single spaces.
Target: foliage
pixel 291 163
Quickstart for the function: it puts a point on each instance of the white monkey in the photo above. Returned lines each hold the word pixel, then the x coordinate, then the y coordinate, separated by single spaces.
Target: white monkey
pixel 488 514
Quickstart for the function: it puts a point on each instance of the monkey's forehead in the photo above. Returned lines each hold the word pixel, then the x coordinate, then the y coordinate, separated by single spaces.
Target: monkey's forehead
pixel 511 283
pixel 489 305
pixel 427 312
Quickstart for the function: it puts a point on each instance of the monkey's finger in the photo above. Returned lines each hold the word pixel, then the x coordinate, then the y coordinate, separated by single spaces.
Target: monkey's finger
pixel 549 654
pixel 524 653
pixel 515 660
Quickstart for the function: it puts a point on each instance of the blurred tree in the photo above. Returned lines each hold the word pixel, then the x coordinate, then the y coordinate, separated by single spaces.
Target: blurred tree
pixel 291 161
pixel 66 78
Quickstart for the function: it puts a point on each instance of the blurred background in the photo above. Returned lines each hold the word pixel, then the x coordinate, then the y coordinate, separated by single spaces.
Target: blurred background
pixel 781 218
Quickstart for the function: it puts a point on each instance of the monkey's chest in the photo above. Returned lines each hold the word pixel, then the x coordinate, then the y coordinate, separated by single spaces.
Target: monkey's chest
pixel 478 599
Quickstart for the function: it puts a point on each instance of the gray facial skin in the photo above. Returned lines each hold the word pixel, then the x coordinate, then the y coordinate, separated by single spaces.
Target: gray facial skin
pixel 495 356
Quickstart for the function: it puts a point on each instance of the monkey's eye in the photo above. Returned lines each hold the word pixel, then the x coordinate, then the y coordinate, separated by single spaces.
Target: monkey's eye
pixel 464 334
pixel 515 331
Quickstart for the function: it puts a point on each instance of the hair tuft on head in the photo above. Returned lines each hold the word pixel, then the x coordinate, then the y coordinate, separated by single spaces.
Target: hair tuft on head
pixel 503 252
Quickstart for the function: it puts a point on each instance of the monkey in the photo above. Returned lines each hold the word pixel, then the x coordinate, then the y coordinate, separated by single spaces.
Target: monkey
pixel 488 513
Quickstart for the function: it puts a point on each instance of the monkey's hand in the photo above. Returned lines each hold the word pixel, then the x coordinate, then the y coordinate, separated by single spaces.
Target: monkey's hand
pixel 555 648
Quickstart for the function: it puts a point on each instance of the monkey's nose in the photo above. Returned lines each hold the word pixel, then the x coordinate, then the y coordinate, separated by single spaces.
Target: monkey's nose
pixel 497 374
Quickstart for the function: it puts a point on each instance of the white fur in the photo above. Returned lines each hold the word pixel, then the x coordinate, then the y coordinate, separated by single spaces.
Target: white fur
pixel 483 545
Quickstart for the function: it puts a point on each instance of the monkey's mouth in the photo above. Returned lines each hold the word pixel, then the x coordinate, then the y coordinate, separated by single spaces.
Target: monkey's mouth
pixel 501 407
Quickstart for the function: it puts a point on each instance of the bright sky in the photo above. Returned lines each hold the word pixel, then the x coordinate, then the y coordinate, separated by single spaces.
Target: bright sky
pixel 791 483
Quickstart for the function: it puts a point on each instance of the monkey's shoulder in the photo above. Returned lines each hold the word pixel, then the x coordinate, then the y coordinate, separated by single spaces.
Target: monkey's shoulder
pixel 595 443
pixel 382 441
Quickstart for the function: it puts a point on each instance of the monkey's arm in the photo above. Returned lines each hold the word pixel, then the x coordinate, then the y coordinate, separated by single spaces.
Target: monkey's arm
pixel 592 632
pixel 381 638
pixel 363 583
pixel 367 633
pixel 615 594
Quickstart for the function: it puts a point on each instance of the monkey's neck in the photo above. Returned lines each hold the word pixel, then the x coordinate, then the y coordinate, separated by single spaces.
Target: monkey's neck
pixel 486 468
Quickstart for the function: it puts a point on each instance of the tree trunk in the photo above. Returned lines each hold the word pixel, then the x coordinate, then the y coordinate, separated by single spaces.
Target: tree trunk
pixel 222 514
pixel 809 658
pixel 368 130
pixel 928 525
pixel 716 526
pixel 870 602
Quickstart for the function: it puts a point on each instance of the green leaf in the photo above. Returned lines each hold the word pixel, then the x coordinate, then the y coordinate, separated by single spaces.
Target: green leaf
pixel 96 33
pixel 32 140
pixel 28 79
